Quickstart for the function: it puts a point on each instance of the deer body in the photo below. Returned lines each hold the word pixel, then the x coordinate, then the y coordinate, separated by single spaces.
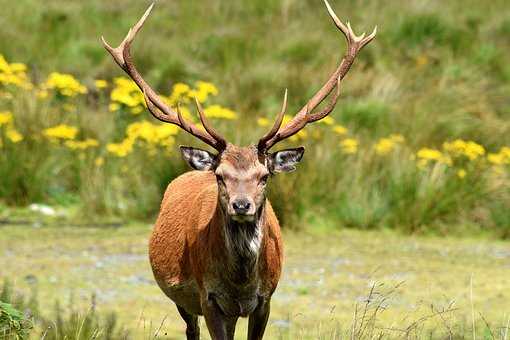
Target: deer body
pixel 216 249
pixel 193 255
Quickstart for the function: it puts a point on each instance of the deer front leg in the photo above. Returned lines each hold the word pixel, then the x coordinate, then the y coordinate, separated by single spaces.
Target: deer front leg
pixel 215 320
pixel 258 320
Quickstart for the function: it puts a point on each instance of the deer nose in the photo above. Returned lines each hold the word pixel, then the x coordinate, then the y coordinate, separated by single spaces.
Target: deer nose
pixel 241 206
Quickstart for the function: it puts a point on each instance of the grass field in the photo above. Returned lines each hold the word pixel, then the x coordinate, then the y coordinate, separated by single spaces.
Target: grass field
pixel 419 141
pixel 326 275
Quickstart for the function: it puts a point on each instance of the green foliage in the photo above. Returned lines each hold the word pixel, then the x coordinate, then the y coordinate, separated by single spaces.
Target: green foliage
pixel 13 324
pixel 368 116
pixel 65 323
pixel 425 30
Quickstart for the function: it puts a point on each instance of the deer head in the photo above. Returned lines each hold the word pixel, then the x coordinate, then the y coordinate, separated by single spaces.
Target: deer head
pixel 242 172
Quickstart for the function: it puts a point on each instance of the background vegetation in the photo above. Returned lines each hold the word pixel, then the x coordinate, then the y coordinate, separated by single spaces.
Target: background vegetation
pixel 418 142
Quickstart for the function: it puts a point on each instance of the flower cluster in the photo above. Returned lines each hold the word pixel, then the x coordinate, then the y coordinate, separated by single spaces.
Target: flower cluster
pixel 14 74
pixel 184 93
pixel 349 146
pixel 152 135
pixel 61 132
pixel 386 145
pixel 428 155
pixel 7 128
pixel 500 158
pixel 127 95
pixel 217 111
pixel 63 84
pixel 461 148
pixel 461 156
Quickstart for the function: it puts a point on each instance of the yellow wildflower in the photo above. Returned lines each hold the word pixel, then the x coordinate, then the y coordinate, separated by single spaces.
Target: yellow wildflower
pixel 341 130
pixel 180 93
pixel 206 87
pixel 5 117
pixel 468 149
pixel 14 74
pixel 500 158
pixel 127 93
pixel 42 94
pixel 386 145
pixel 495 158
pixel 137 110
pixel 99 161
pixel 263 121
pixel 327 120
pixel 431 154
pixel 121 149
pixel 461 173
pixel 113 107
pixel 202 91
pixel 13 135
pixel 65 84
pixel 18 67
pixel 180 89
pixel 349 146
pixel 217 111
pixel 100 83
pixel 153 134
pixel 426 154
pixel 61 131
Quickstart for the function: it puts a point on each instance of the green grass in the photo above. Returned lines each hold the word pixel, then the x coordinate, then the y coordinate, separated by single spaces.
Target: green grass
pixel 425 286
pixel 436 72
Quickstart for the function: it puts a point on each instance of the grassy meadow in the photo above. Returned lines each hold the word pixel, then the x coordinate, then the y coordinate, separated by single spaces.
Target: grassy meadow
pixel 334 285
pixel 404 188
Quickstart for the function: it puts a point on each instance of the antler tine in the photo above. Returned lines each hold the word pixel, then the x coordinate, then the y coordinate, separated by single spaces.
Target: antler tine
pixel 154 110
pixel 313 117
pixel 277 124
pixel 183 124
pixel 156 106
pixel 118 52
pixel 347 29
pixel 305 115
pixel 338 22
pixel 207 126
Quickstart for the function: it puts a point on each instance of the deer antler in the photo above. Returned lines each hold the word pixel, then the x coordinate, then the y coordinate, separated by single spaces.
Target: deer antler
pixel 155 105
pixel 305 115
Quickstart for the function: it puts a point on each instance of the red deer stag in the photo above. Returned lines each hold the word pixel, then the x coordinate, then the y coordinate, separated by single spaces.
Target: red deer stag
pixel 216 249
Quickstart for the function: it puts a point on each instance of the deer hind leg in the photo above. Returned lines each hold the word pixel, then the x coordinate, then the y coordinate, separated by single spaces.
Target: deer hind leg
pixel 258 320
pixel 192 328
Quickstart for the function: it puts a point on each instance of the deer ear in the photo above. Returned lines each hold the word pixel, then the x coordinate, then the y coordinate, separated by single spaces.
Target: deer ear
pixel 198 159
pixel 285 160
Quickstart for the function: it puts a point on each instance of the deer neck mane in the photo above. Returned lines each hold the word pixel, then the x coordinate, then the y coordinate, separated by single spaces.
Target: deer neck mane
pixel 242 246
